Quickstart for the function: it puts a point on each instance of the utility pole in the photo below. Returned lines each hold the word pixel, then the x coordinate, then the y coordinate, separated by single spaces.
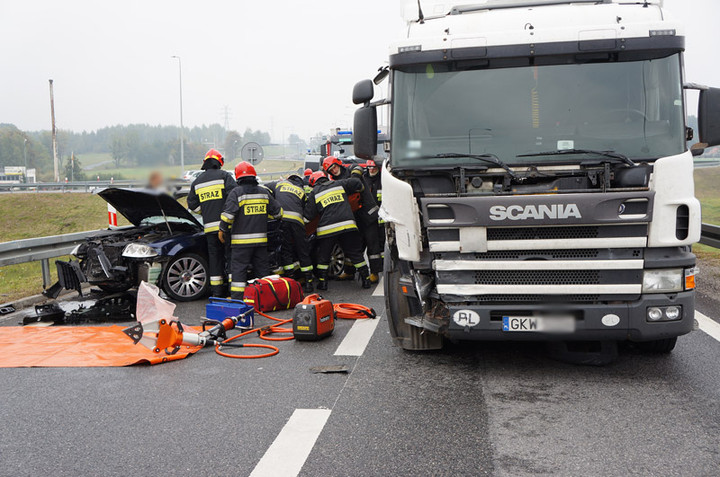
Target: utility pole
pixel 226 118
pixel 72 166
pixel 25 157
pixel 182 129
pixel 54 134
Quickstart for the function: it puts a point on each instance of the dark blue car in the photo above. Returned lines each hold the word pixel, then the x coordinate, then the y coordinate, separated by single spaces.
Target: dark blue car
pixel 165 245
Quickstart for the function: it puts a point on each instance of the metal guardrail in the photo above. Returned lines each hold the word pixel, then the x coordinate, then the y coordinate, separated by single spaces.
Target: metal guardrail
pixel 710 235
pixel 90 186
pixel 44 248
pixel 40 249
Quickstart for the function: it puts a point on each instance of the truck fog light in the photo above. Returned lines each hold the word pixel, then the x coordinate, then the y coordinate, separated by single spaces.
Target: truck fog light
pixel 663 281
pixel 138 250
pixel 654 314
pixel 672 312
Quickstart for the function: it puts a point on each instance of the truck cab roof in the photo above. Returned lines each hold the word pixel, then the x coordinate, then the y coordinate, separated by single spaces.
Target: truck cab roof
pixel 460 31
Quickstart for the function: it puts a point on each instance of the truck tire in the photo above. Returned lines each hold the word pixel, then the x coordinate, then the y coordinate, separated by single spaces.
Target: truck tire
pixel 399 307
pixel 658 346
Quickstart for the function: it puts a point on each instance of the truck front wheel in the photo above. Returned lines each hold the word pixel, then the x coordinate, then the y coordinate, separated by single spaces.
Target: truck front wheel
pixel 399 307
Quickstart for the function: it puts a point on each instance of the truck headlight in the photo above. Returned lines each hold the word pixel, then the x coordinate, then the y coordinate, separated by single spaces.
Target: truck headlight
pixel 663 281
pixel 139 250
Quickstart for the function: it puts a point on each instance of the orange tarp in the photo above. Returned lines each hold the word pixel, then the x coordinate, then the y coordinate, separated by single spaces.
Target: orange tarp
pixel 76 347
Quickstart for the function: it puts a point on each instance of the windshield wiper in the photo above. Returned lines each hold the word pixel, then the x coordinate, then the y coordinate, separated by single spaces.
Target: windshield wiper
pixel 491 158
pixel 561 152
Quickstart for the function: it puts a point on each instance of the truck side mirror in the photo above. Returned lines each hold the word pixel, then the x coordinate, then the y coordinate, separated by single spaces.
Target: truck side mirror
pixel 709 117
pixel 363 92
pixel 365 132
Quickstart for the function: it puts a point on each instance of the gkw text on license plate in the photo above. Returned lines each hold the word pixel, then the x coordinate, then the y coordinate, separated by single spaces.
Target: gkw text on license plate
pixel 542 324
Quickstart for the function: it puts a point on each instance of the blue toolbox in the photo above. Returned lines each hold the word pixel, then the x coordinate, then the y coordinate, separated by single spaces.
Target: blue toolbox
pixel 220 308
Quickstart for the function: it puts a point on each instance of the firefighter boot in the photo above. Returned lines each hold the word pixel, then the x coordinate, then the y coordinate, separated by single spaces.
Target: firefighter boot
pixel 322 280
pixel 365 276
pixel 308 286
pixel 219 291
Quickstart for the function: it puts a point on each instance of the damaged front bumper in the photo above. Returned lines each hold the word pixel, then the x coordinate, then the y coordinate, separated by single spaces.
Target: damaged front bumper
pixel 618 321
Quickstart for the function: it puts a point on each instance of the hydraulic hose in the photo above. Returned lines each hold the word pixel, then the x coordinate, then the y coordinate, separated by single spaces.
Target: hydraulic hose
pixel 345 311
pixel 352 311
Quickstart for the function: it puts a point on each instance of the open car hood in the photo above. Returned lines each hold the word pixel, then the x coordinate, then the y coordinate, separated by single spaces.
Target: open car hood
pixel 139 204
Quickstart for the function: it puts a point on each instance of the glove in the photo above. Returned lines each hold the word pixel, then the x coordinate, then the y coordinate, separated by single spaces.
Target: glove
pixel 221 236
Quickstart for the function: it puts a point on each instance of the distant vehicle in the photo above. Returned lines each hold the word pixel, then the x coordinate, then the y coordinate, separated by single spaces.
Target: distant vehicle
pixel 191 175
pixel 340 145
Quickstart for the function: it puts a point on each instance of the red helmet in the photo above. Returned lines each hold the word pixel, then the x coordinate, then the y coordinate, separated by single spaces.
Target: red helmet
pixel 215 154
pixel 369 163
pixel 245 169
pixel 307 172
pixel 331 161
pixel 315 176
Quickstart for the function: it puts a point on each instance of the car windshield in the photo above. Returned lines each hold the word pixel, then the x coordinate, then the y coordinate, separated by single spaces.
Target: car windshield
pixel 633 108
pixel 159 219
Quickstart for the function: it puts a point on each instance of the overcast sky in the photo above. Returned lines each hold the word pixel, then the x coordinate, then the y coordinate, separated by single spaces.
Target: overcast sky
pixel 279 65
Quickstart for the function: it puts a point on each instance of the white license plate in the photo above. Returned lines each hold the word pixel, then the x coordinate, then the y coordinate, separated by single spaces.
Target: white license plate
pixel 539 324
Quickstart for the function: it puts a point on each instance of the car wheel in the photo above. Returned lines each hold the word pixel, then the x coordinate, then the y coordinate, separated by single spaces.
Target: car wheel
pixel 186 277
pixel 337 261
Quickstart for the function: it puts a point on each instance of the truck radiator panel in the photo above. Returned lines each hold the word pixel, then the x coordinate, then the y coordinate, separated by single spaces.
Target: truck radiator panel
pixel 547 255
pixel 459 265
pixel 587 298
pixel 513 290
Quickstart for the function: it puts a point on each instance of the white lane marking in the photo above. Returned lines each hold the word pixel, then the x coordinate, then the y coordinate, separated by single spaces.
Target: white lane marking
pixel 357 338
pixel 708 325
pixel 379 289
pixel 291 448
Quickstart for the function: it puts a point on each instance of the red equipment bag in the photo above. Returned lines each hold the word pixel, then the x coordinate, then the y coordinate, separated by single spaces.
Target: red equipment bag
pixel 273 294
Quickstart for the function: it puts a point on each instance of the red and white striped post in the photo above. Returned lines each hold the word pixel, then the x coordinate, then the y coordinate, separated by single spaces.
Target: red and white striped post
pixel 112 216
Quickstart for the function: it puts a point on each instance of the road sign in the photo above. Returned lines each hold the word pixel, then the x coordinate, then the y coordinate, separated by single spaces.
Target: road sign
pixel 252 152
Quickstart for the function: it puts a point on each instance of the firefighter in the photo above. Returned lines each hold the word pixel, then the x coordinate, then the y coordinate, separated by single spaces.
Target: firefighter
pixel 290 194
pixel 374 179
pixel 207 197
pixel 306 181
pixel 336 224
pixel 366 216
pixel 244 219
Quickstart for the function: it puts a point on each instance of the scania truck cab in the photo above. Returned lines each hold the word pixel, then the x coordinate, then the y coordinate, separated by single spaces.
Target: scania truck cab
pixel 539 184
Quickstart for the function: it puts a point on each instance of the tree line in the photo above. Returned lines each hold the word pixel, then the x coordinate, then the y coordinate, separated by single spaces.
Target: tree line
pixel 129 146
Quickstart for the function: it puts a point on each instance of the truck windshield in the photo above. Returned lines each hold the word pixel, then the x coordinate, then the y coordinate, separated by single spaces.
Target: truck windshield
pixel 631 108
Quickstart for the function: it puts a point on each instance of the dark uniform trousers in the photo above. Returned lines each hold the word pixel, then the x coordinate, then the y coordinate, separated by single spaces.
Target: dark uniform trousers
pixel 242 259
pixel 295 240
pixel 216 259
pixel 371 237
pixel 351 243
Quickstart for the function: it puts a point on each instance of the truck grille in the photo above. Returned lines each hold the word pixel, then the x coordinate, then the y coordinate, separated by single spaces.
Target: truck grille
pixel 537 298
pixel 526 272
pixel 595 255
pixel 533 277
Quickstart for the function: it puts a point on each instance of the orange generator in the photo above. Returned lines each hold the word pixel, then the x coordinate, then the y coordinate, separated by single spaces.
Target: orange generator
pixel 314 319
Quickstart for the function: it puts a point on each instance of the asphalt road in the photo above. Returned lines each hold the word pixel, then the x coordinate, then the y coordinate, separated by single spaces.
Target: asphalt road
pixel 504 409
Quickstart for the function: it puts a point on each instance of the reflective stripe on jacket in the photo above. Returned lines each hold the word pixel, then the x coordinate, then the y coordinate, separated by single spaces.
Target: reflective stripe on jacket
pixel 329 200
pixel 246 214
pixel 208 194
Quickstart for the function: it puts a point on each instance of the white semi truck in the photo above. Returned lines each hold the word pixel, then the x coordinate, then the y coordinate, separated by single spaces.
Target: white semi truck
pixel 539 185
